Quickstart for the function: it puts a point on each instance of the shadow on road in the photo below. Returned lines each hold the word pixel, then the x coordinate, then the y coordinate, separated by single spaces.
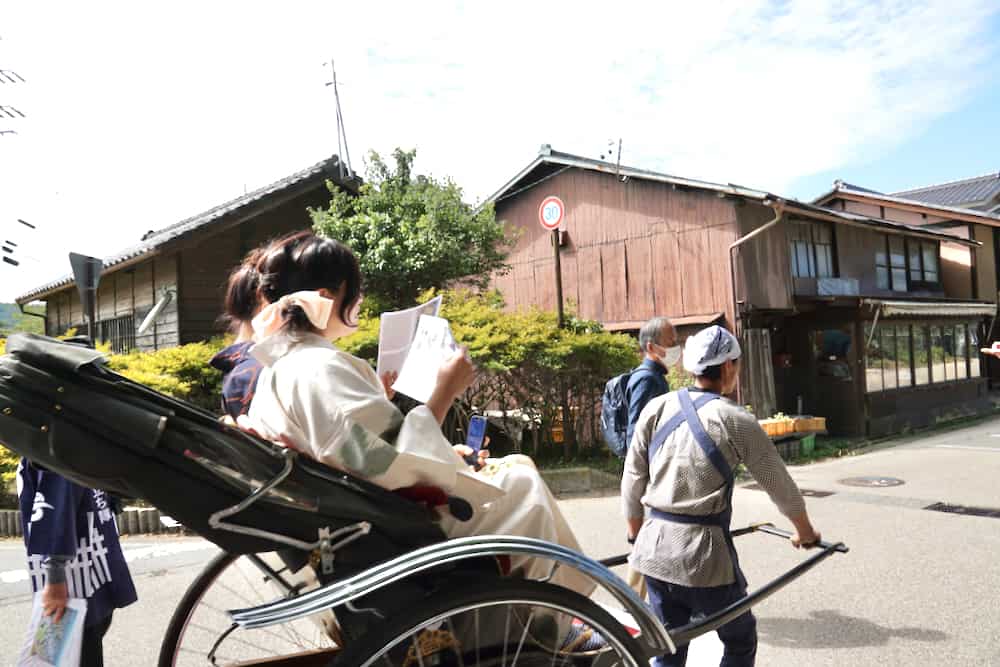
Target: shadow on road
pixel 831 629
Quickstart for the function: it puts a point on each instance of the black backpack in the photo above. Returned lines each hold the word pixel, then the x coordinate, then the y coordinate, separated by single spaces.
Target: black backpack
pixel 614 413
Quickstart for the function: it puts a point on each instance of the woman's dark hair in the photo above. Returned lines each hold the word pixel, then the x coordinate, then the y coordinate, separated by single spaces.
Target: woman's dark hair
pixel 241 290
pixel 305 261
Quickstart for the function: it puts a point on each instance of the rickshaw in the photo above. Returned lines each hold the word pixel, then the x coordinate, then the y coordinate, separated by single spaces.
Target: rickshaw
pixel 318 567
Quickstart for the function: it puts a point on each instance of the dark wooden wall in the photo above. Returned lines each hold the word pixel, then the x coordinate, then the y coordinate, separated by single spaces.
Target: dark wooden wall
pixel 195 269
pixel 129 291
pixel 206 263
pixel 634 250
pixel 765 276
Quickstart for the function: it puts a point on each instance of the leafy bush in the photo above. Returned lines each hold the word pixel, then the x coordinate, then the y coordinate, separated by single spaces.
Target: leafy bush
pixel 526 365
pixel 182 372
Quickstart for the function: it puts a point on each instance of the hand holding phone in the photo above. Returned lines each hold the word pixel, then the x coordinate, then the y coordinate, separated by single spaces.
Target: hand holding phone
pixel 474 439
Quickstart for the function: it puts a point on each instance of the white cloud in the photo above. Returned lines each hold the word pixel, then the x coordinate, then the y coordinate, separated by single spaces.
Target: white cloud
pixel 141 115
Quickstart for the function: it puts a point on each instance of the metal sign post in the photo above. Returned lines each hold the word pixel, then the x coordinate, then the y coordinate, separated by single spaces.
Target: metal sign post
pixel 551 214
pixel 87 274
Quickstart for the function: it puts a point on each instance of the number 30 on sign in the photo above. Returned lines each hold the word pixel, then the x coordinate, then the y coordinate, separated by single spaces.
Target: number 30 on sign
pixel 551 212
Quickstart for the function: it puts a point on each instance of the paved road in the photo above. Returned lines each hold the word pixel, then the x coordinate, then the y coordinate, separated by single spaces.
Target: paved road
pixel 919 587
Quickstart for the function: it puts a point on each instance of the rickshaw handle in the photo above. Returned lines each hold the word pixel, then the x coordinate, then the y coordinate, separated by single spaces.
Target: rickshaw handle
pixel 769 528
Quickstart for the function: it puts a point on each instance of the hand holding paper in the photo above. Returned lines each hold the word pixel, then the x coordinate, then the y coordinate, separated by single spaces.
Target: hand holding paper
pixel 433 347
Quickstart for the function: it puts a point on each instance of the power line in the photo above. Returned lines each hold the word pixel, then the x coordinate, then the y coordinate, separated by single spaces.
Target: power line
pixel 10 76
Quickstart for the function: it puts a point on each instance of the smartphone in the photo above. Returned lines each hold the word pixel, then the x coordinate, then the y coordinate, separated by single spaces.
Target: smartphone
pixel 475 438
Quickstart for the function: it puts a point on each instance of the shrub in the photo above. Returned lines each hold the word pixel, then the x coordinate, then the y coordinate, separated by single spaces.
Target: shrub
pixel 526 364
pixel 182 372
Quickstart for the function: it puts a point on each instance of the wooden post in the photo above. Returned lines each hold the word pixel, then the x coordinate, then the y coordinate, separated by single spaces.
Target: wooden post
pixel 559 290
pixel 569 433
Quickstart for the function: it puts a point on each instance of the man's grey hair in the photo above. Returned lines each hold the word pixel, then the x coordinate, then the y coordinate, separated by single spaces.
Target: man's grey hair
pixel 652 331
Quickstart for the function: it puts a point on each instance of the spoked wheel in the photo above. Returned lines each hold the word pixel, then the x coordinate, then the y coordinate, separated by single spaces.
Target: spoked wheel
pixel 201 633
pixel 509 623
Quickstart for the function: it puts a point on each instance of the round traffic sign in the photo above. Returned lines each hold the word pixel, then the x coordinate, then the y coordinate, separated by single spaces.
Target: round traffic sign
pixel 551 212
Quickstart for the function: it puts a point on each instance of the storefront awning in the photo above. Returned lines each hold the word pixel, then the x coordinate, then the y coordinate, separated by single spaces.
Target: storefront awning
pixel 931 308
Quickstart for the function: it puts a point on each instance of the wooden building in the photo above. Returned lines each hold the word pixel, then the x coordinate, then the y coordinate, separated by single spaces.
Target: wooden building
pixel 811 290
pixel 187 264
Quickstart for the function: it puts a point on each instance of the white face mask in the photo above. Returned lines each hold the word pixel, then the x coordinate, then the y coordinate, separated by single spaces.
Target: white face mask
pixel 670 356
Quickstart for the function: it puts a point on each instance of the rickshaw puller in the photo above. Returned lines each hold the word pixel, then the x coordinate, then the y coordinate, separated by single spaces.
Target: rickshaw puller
pixel 677 493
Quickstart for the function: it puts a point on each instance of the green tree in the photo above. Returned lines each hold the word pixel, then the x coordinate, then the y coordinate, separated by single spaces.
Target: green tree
pixel 413 233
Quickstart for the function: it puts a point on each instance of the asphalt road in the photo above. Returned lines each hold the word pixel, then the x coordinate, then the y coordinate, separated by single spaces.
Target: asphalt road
pixel 918 587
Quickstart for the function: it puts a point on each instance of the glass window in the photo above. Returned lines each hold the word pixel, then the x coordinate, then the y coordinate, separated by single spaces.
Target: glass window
pixel 972 335
pixel 921 356
pixel 961 352
pixel 930 261
pixel 881 267
pixel 916 272
pixel 811 250
pixel 888 335
pixel 882 277
pixel 824 261
pixel 873 362
pixel 903 357
pixel 939 369
pixel 897 261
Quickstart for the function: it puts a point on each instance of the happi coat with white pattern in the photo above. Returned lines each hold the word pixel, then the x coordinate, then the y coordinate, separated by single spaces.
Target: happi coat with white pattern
pixel 61 518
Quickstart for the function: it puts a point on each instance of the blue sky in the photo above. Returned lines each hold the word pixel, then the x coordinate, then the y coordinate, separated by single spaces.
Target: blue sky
pixel 140 114
pixel 958 145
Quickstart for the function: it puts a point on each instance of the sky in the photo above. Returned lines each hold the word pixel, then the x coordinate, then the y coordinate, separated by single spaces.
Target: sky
pixel 140 115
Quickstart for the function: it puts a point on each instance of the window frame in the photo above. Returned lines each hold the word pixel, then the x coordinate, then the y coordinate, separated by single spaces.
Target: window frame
pixel 810 237
pixel 924 330
pixel 911 284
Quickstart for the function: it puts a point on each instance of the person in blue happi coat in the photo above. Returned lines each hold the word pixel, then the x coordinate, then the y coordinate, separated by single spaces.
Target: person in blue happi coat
pixel 73 552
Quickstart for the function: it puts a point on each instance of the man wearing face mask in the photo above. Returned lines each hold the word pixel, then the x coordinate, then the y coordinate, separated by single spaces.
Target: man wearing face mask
pixel 658 342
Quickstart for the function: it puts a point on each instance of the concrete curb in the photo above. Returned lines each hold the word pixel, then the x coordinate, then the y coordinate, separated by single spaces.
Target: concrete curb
pixel 133 521
pixel 564 481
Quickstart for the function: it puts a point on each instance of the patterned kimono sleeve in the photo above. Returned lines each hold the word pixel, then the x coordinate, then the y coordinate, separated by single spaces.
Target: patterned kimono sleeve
pixel 351 425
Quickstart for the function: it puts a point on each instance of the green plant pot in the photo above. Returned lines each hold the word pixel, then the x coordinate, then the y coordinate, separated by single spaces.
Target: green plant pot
pixel 807 444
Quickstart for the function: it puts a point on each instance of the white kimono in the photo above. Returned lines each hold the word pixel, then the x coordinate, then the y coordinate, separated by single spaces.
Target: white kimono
pixel 332 406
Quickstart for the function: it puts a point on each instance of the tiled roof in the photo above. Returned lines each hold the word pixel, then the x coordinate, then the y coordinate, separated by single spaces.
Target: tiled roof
pixel 966 192
pixel 858 188
pixel 990 217
pixel 329 168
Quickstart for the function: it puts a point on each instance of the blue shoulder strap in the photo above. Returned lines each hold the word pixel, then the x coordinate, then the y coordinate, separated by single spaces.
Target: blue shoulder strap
pixel 674 422
pixel 705 441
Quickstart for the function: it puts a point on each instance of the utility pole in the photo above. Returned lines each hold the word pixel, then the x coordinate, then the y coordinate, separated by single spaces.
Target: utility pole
pixel 343 152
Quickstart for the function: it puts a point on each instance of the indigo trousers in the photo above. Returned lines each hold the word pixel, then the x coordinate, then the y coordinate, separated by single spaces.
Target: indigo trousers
pixel 677 605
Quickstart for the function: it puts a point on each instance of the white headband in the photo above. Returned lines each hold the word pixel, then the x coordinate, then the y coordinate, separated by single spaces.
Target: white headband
pixel 710 347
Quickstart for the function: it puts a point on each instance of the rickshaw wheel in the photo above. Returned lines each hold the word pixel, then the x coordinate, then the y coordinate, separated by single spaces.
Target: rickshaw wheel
pixel 492 623
pixel 201 633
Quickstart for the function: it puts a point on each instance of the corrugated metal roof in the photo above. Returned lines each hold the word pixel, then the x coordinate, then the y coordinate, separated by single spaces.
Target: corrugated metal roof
pixel 547 156
pixel 329 168
pixel 965 192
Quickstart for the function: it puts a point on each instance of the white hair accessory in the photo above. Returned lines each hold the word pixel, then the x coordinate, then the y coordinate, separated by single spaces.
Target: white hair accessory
pixel 710 347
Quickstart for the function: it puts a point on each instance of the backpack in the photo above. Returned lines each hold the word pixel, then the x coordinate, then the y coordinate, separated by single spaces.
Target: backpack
pixel 614 413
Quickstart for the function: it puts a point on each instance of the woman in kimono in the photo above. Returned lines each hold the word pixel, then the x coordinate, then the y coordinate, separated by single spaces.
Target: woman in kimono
pixel 332 407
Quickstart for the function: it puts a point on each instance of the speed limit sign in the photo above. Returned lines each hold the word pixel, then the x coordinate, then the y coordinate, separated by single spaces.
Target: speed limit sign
pixel 551 212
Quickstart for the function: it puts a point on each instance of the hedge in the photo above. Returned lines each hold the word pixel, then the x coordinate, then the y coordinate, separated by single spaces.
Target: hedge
pixel 528 364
